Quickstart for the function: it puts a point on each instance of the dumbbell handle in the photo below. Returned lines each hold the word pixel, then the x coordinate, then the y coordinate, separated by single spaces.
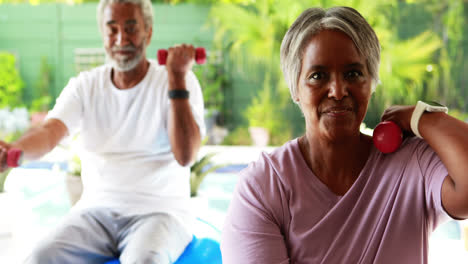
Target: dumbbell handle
pixel 14 157
pixel 200 56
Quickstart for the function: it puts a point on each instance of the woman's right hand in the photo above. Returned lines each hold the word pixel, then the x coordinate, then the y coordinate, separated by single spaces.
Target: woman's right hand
pixel 4 147
pixel 401 115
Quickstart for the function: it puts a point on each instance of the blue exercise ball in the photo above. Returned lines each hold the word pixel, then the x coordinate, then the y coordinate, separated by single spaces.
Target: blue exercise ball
pixel 200 250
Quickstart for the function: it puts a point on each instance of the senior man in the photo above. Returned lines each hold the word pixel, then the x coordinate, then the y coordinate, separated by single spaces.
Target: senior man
pixel 140 126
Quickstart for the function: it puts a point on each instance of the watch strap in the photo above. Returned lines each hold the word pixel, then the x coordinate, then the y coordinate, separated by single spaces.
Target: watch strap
pixel 179 94
pixel 417 113
pixel 419 110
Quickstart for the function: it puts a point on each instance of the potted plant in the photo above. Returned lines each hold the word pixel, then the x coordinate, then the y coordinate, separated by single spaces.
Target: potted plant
pixel 40 105
pixel 214 80
pixel 73 180
pixel 199 170
pixel 261 114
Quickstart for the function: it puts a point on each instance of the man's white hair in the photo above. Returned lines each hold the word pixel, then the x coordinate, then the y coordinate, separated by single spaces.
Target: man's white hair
pixel 145 5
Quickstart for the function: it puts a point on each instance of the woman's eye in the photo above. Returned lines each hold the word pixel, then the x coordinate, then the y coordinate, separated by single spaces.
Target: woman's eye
pixel 353 74
pixel 317 76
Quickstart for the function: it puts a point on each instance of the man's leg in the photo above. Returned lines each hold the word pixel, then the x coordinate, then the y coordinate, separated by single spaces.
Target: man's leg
pixel 153 239
pixel 82 237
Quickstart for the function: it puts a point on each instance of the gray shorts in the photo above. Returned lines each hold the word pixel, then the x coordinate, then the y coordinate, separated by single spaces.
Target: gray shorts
pixel 95 236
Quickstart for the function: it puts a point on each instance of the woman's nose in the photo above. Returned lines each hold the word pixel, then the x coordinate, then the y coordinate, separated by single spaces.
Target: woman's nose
pixel 337 88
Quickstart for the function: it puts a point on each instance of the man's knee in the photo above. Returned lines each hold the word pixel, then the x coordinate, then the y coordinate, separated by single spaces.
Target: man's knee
pixel 147 257
pixel 44 253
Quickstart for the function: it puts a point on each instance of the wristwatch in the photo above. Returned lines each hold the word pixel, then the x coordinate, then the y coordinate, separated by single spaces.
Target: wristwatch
pixel 422 107
pixel 178 94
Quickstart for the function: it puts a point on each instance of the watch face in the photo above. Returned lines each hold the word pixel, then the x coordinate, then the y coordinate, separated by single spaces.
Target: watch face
pixel 432 103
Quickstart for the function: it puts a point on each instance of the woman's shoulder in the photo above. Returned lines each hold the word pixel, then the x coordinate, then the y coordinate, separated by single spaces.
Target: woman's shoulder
pixel 412 145
pixel 271 169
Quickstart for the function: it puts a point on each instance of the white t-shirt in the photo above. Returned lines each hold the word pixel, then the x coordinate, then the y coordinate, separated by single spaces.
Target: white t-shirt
pixel 127 162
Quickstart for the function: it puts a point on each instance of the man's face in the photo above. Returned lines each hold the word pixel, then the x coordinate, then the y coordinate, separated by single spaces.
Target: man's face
pixel 125 35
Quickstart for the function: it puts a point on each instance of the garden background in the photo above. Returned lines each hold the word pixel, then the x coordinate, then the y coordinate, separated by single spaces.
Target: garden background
pixel 424 55
pixel 45 43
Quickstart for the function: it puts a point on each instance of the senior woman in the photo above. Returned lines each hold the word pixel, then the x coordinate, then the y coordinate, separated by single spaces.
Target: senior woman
pixel 330 196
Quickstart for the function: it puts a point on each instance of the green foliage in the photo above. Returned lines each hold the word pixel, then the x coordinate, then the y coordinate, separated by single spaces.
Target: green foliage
pixel 213 80
pixel 254 51
pixel 404 75
pixel 463 116
pixel 75 166
pixel 43 84
pixel 239 136
pixel 199 170
pixel 264 111
pixel 3 177
pixel 409 67
pixel 11 85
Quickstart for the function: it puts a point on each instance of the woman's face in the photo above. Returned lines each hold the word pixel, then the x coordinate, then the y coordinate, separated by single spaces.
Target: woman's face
pixel 334 86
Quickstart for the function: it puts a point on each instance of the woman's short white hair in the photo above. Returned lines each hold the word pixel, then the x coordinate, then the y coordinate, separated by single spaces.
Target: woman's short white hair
pixel 145 5
pixel 314 20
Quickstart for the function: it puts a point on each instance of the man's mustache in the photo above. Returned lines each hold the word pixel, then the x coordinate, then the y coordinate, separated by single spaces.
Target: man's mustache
pixel 130 48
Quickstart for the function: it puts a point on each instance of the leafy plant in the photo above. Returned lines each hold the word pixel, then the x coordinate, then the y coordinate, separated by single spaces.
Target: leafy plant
pixel 213 80
pixel 11 84
pixel 43 84
pixel 75 166
pixel 199 170
pixel 255 49
pixel 239 136
pixel 265 112
pixel 262 112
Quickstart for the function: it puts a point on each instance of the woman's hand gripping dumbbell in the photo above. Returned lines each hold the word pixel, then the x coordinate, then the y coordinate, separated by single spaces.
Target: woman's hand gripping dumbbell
pixel 389 134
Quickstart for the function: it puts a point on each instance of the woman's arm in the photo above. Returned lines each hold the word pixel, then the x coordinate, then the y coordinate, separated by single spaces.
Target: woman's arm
pixel 252 234
pixel 448 137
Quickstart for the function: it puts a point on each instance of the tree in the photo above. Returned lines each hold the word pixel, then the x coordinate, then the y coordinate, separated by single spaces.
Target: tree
pixel 253 33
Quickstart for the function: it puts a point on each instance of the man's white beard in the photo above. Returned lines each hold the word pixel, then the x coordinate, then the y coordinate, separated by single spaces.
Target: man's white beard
pixel 121 64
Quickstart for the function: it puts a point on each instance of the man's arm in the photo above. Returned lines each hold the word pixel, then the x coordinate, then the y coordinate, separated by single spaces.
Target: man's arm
pixel 184 133
pixel 37 141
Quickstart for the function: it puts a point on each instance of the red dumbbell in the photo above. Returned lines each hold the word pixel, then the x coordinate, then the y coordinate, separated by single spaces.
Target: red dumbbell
pixel 14 158
pixel 200 56
pixel 387 137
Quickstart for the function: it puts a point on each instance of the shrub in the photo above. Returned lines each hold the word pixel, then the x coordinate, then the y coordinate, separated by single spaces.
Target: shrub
pixel 11 85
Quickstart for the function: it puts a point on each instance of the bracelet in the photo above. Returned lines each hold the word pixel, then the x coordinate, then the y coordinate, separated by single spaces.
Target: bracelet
pixel 178 94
